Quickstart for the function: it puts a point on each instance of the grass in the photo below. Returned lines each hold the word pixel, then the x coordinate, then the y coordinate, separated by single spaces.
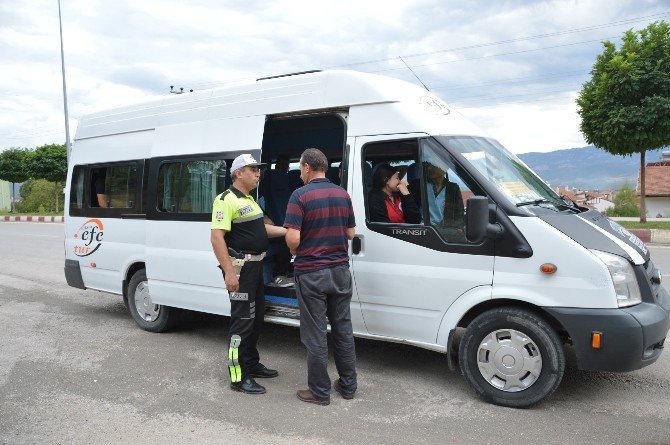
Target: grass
pixel 648 225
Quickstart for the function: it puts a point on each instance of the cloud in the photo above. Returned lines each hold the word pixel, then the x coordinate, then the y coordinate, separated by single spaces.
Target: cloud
pixel 126 51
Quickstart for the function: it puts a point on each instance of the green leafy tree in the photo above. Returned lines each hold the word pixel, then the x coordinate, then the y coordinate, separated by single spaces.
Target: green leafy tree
pixel 13 168
pixel 49 162
pixel 625 107
pixel 625 202
pixel 37 196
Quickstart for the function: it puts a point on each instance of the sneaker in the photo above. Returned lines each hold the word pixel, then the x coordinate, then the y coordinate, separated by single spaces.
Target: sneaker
pixel 283 281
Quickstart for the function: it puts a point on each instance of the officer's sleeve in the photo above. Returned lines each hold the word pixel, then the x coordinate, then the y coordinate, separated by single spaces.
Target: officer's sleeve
pixel 222 214
pixel 295 212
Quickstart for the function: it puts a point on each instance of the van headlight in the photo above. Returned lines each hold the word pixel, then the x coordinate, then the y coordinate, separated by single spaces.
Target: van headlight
pixel 623 277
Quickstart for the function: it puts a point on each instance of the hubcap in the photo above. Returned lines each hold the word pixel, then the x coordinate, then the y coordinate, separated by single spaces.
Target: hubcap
pixel 509 360
pixel 145 307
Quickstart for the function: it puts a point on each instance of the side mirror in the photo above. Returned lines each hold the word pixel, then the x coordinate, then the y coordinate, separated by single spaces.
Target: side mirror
pixel 477 225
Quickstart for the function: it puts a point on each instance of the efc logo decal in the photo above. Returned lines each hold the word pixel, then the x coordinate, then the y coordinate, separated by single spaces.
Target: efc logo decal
pixel 88 238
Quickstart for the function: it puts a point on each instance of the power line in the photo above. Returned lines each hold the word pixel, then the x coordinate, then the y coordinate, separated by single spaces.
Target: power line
pixel 659 15
pixel 492 55
pixel 572 73
pixel 518 39
pixel 492 97
pixel 476 46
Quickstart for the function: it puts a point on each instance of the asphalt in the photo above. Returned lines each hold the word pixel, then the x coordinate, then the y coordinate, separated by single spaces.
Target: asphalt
pixel 74 368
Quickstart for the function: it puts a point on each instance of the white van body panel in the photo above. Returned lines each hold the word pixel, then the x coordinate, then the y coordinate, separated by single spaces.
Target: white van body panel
pixel 405 289
pixel 181 266
pixel 410 116
pixel 123 239
pixel 581 281
pixel 458 309
pixel 116 147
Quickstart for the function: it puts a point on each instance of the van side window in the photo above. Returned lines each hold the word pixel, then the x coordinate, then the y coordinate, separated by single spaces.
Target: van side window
pixel 113 187
pixel 391 183
pixel 77 187
pixel 446 193
pixel 190 186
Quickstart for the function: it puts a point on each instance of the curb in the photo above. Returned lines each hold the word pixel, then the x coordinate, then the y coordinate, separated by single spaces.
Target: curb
pixel 654 236
pixel 23 218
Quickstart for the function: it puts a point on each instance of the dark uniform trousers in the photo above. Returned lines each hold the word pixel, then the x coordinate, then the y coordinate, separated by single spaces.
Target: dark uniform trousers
pixel 247 308
pixel 325 296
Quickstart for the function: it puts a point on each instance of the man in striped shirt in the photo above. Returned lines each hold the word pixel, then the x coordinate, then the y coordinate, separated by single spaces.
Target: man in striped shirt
pixel 320 223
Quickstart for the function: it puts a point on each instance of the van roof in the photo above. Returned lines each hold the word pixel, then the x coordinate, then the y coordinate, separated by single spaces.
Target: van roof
pixel 275 95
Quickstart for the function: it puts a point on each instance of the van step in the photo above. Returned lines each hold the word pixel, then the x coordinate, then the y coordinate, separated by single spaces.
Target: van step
pixel 283 311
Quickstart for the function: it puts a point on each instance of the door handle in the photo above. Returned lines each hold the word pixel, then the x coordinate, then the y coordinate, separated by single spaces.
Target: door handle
pixel 356 244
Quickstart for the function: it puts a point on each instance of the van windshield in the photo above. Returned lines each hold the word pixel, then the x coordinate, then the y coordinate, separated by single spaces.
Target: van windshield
pixel 509 174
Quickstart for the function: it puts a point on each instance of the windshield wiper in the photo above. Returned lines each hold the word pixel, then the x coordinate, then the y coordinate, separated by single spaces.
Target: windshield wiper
pixel 535 202
pixel 572 204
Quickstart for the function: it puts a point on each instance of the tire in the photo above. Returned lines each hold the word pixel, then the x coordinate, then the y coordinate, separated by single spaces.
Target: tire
pixel 150 317
pixel 512 357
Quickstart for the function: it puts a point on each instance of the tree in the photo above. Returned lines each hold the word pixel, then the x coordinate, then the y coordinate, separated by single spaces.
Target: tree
pixel 36 196
pixel 625 107
pixel 13 168
pixel 50 162
pixel 625 202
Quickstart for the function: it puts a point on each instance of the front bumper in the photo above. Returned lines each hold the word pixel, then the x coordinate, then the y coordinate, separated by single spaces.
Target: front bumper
pixel 633 337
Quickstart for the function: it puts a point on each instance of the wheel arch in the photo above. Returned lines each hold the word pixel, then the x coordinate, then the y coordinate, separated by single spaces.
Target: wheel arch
pixel 132 269
pixel 484 306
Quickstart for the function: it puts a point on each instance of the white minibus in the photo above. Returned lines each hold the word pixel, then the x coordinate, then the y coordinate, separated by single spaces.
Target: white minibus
pixel 500 273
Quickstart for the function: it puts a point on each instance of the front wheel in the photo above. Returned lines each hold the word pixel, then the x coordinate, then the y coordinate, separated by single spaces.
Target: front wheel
pixel 149 316
pixel 512 357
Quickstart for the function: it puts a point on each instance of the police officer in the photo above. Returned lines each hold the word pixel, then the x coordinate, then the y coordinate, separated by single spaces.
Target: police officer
pixel 240 239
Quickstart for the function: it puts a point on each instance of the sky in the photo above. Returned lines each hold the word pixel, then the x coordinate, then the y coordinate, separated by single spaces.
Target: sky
pixel 514 68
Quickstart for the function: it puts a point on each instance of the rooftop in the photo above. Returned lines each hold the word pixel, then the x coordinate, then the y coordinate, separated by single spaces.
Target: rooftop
pixel 657 179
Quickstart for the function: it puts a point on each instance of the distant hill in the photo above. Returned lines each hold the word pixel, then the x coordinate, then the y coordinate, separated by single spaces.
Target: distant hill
pixel 587 167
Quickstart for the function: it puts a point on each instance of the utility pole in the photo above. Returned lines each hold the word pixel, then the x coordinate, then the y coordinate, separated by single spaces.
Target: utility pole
pixel 68 147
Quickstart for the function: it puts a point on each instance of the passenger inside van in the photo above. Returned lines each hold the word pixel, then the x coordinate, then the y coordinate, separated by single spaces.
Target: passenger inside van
pixel 390 200
pixel 445 201
pixel 98 197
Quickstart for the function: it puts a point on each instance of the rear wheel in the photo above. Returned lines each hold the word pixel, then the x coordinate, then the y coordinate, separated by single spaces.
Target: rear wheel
pixel 512 357
pixel 148 315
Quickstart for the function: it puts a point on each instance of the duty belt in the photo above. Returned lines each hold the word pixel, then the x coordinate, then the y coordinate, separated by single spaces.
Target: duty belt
pixel 238 259
pixel 251 257
pixel 235 255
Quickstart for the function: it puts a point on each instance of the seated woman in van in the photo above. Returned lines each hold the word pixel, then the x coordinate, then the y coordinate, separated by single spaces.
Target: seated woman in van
pixel 390 201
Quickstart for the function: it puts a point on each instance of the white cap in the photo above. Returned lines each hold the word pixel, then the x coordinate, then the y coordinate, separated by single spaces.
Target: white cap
pixel 242 161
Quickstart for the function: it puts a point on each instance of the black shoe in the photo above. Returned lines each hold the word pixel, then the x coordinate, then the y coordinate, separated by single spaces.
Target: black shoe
pixel 248 386
pixel 261 372
pixel 338 387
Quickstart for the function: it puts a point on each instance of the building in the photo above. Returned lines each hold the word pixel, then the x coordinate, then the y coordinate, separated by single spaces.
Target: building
pixel 5 196
pixel 657 187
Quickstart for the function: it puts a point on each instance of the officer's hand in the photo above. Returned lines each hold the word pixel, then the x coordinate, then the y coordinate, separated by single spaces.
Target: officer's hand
pixel 232 282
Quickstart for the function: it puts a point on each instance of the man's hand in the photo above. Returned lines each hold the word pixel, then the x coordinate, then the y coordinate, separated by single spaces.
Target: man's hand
pixel 232 282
